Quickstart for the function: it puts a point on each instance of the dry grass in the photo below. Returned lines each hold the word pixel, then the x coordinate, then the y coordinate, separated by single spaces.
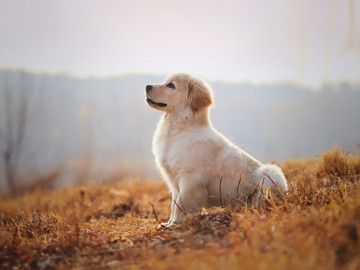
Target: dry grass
pixel 112 225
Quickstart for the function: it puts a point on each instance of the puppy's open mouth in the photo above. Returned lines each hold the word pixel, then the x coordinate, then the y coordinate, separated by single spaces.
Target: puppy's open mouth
pixel 149 100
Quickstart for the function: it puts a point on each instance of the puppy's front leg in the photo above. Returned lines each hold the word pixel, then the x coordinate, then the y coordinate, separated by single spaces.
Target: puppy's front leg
pixel 174 195
pixel 192 197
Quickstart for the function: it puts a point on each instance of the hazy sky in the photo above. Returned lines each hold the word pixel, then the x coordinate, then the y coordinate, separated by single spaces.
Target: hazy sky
pixel 306 41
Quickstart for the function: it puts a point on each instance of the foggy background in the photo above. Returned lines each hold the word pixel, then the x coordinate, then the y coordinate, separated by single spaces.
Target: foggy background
pixel 285 76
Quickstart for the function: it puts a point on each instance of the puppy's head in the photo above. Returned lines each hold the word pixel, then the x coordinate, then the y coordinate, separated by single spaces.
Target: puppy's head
pixel 178 92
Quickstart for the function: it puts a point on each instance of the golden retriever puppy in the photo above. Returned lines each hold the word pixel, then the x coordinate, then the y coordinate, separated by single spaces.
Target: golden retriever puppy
pixel 201 167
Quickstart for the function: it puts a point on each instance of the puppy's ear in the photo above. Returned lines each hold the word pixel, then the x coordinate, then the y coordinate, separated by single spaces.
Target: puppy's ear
pixel 199 94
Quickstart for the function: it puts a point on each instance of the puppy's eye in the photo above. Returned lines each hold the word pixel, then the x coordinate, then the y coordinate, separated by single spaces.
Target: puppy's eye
pixel 170 85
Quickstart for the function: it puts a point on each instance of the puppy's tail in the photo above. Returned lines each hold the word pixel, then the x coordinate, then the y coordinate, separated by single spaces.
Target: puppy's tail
pixel 271 178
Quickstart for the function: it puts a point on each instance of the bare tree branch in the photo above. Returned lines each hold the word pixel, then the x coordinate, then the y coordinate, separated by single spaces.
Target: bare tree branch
pixel 16 88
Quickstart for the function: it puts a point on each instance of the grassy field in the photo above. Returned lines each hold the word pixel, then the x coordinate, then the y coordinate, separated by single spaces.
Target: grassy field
pixel 114 225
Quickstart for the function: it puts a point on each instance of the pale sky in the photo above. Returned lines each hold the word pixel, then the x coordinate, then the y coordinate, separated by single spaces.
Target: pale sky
pixel 304 41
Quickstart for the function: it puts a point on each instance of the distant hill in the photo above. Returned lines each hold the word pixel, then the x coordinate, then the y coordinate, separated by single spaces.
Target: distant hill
pixel 104 123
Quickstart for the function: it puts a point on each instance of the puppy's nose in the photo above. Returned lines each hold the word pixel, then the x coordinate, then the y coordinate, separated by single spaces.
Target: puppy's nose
pixel 148 88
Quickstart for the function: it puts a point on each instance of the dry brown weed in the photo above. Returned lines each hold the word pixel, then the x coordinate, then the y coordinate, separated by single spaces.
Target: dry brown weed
pixel 112 225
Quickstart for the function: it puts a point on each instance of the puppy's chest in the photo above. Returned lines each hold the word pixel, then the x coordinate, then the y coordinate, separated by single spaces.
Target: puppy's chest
pixel 173 152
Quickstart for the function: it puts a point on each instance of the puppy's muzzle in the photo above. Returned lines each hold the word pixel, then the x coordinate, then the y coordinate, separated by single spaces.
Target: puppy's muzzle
pixel 149 100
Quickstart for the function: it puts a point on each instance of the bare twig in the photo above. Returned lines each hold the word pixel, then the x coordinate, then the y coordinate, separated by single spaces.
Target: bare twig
pixel 272 181
pixel 156 217
pixel 277 187
pixel 221 178
pixel 262 185
pixel 238 185
pixel 182 211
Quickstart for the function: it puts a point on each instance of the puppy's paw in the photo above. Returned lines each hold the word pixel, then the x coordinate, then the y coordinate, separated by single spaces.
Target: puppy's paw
pixel 164 224
pixel 167 225
pixel 172 224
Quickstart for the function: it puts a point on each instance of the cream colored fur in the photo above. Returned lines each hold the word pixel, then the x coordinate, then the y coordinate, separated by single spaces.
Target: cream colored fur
pixel 201 167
